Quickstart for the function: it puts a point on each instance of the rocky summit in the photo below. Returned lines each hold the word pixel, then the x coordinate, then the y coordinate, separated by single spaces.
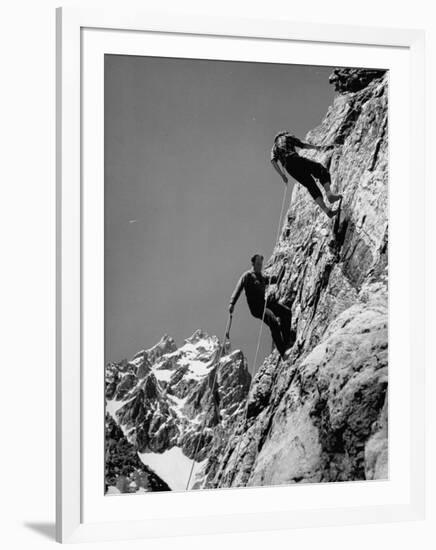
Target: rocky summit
pixel 321 415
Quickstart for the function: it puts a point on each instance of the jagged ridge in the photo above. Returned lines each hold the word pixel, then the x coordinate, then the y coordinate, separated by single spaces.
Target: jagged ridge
pixel 172 402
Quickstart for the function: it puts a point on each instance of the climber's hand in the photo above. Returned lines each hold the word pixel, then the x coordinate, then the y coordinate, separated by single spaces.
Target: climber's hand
pixel 284 178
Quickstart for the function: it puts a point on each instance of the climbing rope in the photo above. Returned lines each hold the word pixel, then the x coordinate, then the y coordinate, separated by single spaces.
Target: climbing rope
pixel 223 346
pixel 261 325
pixel 226 336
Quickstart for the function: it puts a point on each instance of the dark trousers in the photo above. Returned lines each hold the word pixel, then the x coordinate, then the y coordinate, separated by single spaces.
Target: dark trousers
pixel 278 318
pixel 304 170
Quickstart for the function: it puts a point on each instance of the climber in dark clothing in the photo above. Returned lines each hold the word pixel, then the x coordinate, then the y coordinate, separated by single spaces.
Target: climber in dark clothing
pixel 303 169
pixel 276 316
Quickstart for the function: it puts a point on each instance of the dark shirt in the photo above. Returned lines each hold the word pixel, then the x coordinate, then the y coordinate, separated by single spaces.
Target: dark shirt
pixel 284 146
pixel 254 285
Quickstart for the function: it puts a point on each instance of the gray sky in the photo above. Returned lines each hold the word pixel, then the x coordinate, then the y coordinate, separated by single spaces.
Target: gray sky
pixel 190 194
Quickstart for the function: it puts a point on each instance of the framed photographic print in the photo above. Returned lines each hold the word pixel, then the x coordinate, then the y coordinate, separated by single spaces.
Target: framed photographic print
pixel 240 274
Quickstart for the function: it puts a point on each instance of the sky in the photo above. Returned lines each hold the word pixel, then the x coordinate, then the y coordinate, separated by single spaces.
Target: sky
pixel 190 193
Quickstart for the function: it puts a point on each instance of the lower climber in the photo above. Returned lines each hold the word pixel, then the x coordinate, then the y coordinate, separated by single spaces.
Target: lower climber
pixel 276 316
pixel 304 170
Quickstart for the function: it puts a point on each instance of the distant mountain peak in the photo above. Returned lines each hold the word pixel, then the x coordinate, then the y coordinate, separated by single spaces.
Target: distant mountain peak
pixel 165 403
pixel 199 335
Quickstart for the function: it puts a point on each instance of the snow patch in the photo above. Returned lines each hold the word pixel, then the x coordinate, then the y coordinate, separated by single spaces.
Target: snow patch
pixel 112 406
pixel 173 467
pixel 163 375
pixel 197 369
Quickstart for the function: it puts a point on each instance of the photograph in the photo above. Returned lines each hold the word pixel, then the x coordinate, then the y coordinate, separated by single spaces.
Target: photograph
pixel 245 274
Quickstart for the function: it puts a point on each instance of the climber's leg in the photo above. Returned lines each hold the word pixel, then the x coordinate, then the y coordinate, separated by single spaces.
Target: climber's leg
pixel 323 176
pixel 332 197
pixel 320 202
pixel 284 314
pixel 301 169
pixel 271 320
pixel 310 184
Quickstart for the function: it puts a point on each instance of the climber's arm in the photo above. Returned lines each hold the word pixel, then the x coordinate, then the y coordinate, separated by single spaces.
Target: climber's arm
pixel 236 293
pixel 274 161
pixel 305 145
pixel 279 170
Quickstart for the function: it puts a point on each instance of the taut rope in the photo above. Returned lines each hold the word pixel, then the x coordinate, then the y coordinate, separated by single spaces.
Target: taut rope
pixel 261 326
pixel 229 322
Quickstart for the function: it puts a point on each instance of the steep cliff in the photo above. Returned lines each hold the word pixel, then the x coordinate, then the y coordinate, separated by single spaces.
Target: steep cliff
pixel 322 415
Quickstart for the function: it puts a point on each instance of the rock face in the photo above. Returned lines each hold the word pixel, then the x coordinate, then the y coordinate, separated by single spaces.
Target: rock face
pixel 169 399
pixel 322 415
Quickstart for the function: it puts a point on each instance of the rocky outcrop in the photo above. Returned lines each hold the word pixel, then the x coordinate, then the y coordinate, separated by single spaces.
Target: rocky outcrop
pixel 346 79
pixel 322 415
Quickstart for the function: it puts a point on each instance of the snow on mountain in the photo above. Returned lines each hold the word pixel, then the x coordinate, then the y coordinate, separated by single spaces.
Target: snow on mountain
pixel 168 408
pixel 174 467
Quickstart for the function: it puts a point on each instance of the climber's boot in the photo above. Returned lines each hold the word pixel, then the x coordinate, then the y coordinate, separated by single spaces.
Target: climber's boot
pixel 287 354
pixel 334 198
pixel 333 213
pixel 291 339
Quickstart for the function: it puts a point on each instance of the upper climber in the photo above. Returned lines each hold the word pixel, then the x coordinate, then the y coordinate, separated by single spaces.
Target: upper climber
pixel 303 169
pixel 275 315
